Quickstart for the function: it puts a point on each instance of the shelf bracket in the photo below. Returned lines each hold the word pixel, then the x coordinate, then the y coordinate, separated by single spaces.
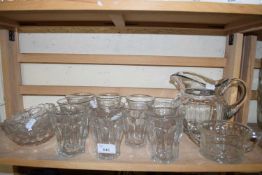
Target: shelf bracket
pixel 11 35
pixel 118 20
pixel 244 26
pixel 230 40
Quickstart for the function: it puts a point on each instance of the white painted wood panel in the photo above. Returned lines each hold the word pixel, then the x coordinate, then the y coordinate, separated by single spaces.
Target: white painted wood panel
pixel 123 44
pixel 106 75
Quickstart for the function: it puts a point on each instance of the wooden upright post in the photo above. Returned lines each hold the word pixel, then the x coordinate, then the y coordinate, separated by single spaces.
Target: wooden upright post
pixel 233 54
pixel 246 74
pixel 11 71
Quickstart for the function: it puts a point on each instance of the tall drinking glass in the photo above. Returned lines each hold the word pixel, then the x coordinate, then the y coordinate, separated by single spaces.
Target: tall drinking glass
pixel 164 132
pixel 108 126
pixel 136 119
pixel 71 129
pixel 82 101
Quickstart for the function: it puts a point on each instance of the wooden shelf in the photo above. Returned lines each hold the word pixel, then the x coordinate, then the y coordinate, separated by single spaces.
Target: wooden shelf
pixel 130 159
pixel 130 5
pixel 132 15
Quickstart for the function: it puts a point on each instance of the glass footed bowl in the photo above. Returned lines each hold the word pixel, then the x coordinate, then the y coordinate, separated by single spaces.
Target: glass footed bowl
pixel 30 127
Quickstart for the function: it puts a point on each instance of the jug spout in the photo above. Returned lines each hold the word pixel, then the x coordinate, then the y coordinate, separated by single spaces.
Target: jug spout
pixel 189 80
pixel 176 80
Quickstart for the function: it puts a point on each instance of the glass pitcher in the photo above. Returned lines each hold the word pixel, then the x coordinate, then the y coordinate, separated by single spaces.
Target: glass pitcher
pixel 203 99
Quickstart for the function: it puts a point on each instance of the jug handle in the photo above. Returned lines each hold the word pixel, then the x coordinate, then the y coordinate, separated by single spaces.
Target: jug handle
pixel 233 108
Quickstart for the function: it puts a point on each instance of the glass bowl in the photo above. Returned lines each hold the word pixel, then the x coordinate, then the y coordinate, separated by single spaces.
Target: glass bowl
pixel 30 127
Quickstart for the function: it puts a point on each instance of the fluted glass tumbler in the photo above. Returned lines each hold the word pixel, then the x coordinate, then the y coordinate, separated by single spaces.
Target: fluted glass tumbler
pixel 136 119
pixel 108 126
pixel 164 132
pixel 108 133
pixel 225 142
pixel 71 129
pixel 80 101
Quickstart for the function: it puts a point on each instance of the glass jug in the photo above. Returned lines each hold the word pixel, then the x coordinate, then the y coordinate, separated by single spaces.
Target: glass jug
pixel 203 99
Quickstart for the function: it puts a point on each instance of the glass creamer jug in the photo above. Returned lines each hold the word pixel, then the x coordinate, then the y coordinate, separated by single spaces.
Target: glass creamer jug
pixel 204 99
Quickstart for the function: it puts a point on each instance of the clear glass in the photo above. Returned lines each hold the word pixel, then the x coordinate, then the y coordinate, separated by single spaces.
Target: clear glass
pixel 203 99
pixel 30 127
pixel 71 128
pixel 86 101
pixel 108 133
pixel 80 101
pixel 108 126
pixel 83 98
pixel 167 102
pixel 108 100
pixel 225 142
pixel 200 105
pixel 164 130
pixel 136 118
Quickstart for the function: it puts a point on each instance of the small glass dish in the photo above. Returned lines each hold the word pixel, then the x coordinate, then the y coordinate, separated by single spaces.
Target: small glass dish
pixel 226 142
pixel 30 127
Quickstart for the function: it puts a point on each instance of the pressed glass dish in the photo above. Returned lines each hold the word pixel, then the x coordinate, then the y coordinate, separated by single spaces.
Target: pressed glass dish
pixel 226 142
pixel 30 127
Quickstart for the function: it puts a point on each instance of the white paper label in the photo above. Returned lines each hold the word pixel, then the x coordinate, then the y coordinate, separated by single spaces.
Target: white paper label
pixel 210 86
pixel 30 124
pixel 106 148
pixel 93 103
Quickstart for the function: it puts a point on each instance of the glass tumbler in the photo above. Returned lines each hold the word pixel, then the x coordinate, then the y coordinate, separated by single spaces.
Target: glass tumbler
pixel 86 101
pixel 108 126
pixel 81 101
pixel 136 119
pixel 71 129
pixel 225 142
pixel 108 101
pixel 164 132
